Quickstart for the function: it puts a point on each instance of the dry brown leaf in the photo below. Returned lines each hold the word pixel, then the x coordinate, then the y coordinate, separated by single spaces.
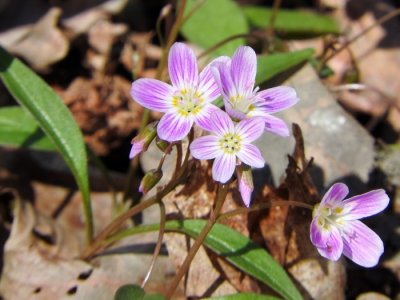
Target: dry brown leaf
pixel 104 110
pixel 44 44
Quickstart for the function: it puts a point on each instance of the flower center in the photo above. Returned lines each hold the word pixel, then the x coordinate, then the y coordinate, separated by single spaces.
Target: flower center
pixel 230 143
pixel 330 216
pixel 188 102
pixel 241 103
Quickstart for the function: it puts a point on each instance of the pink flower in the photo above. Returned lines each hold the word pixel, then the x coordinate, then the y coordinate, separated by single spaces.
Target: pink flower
pixel 229 145
pixel 186 102
pixel 335 228
pixel 236 79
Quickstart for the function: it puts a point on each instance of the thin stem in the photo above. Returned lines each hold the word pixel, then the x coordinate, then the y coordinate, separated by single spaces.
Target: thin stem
pixel 192 11
pixel 221 195
pixel 261 206
pixel 275 9
pixel 380 21
pixel 223 42
pixel 159 243
pixel 97 244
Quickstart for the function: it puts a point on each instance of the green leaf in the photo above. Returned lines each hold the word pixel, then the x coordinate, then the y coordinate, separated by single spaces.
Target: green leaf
pixel 236 248
pixel 129 292
pixel 18 128
pixel 53 117
pixel 243 296
pixel 292 23
pixel 213 22
pixel 272 64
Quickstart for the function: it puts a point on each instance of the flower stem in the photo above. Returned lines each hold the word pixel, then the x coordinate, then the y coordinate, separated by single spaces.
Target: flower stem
pixel 221 195
pixel 159 242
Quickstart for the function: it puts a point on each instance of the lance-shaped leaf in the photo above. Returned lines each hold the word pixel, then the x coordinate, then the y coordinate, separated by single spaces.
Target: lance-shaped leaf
pixel 54 119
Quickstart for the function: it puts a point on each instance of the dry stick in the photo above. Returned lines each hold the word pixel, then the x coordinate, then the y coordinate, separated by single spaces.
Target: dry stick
pixel 221 195
pixel 382 20
pixel 262 206
pixel 159 243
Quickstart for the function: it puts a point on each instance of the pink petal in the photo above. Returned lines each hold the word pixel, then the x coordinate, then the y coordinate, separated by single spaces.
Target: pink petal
pixel 203 119
pixel 365 205
pixel 223 78
pixel 152 94
pixel 276 125
pixel 205 147
pixel 334 196
pixel 277 99
pixel 251 155
pixel 223 167
pixel 243 70
pixel 221 123
pixel 173 127
pixel 361 244
pixel 182 66
pixel 137 147
pixel 208 86
pixel 329 243
pixel 250 129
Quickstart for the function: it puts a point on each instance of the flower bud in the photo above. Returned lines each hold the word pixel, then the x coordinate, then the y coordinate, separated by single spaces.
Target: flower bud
pixel 161 144
pixel 245 183
pixel 142 141
pixel 150 179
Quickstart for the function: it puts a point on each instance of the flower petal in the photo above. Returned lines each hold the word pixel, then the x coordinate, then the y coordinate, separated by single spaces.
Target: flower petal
pixel 361 244
pixel 221 123
pixel 223 78
pixel 203 118
pixel 152 94
pixel 173 127
pixel 277 99
pixel 182 66
pixel 223 167
pixel 365 205
pixel 250 129
pixel 334 196
pixel 243 70
pixel 205 147
pixel 208 86
pixel 329 243
pixel 137 147
pixel 251 155
pixel 272 124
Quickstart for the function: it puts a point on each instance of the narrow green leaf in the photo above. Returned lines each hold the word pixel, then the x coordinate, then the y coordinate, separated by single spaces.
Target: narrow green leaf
pixel 236 248
pixel 243 296
pixel 292 23
pixel 129 292
pixel 273 64
pixel 213 22
pixel 53 117
pixel 19 129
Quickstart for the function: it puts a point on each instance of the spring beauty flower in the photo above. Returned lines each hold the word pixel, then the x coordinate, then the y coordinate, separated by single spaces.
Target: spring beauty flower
pixel 336 229
pixel 236 79
pixel 186 102
pixel 229 145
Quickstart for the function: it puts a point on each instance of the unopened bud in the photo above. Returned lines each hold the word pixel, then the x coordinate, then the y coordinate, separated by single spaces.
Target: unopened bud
pixel 150 179
pixel 142 141
pixel 161 144
pixel 245 183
